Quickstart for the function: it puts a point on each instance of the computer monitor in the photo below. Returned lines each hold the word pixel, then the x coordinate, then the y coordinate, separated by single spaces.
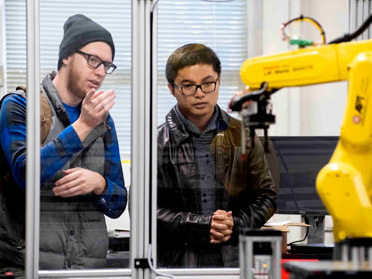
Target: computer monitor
pixel 295 162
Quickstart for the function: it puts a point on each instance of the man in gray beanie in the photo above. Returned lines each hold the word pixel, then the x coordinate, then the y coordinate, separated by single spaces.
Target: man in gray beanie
pixel 81 173
pixel 79 31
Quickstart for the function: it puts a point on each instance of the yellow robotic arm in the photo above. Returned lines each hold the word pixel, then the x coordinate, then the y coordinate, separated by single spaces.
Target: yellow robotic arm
pixel 306 66
pixel 345 183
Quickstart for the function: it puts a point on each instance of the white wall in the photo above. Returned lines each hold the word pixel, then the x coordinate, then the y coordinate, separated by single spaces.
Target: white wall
pixel 311 110
pixel 286 100
pixel 323 105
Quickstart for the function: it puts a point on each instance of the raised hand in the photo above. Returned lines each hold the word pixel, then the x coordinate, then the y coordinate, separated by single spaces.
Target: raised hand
pixel 94 106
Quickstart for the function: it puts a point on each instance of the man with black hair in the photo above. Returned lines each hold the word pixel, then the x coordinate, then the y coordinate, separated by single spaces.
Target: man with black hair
pixel 207 189
pixel 81 173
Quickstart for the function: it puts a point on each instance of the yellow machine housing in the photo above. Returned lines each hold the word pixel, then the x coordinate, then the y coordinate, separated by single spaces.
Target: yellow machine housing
pixel 345 183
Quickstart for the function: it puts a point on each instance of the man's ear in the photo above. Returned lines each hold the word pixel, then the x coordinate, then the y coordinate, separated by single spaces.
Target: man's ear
pixel 171 88
pixel 65 60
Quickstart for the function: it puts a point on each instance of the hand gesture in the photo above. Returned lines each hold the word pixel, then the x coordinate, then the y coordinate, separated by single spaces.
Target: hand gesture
pixel 222 224
pixel 95 105
pixel 79 181
pixel 93 108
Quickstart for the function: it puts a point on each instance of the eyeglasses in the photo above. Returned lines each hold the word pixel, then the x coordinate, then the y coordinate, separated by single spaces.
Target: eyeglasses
pixel 95 62
pixel 190 89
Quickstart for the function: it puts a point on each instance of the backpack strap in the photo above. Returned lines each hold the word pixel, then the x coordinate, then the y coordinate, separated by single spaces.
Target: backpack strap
pixel 45 114
pixel 45 125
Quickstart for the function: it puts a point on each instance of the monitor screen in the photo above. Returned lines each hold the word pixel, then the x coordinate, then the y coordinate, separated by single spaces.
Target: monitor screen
pixel 295 162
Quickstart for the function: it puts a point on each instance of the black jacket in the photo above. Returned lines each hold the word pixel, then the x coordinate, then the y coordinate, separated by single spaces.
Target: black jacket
pixel 248 191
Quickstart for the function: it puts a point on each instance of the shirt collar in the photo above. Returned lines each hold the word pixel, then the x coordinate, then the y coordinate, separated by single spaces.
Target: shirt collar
pixel 192 128
pixel 179 131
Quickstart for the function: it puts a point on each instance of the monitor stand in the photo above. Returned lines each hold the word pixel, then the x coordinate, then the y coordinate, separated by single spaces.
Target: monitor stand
pixel 316 229
pixel 315 241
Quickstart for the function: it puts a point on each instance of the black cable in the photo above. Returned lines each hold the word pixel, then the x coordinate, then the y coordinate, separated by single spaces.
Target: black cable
pixel 352 36
pixel 306 234
pixel 285 37
pixel 296 241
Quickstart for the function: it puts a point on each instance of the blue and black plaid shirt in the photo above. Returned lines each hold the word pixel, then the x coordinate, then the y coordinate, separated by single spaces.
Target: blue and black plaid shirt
pixel 57 153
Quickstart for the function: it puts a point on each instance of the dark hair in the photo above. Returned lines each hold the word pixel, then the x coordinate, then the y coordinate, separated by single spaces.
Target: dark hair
pixel 189 55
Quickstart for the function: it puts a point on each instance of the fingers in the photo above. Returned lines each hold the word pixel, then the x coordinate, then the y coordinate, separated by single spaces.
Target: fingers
pixel 220 233
pixel 108 106
pixel 67 185
pixel 221 215
pixel 79 181
pixel 222 212
pixel 99 100
pixel 219 212
pixel 225 218
pixel 218 241
pixel 89 96
pixel 221 226
pixel 67 189
pixel 217 237
pixel 67 178
pixel 103 101
pixel 94 107
pixel 96 95
pixel 221 229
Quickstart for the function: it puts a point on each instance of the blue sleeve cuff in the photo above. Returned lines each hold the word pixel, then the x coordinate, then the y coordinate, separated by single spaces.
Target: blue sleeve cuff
pixel 105 198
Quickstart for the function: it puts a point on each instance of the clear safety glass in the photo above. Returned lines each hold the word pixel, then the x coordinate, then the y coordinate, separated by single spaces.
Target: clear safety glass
pixel 85 229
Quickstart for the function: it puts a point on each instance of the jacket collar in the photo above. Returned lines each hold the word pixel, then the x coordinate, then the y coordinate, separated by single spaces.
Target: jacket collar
pixel 52 93
pixel 179 131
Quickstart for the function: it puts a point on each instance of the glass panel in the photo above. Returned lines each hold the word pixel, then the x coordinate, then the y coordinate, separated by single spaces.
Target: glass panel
pixel 12 155
pixel 191 161
pixel 85 156
pixel 221 26
pixel 204 189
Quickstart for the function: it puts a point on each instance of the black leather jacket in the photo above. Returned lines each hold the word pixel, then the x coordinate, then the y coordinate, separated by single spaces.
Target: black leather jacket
pixel 248 191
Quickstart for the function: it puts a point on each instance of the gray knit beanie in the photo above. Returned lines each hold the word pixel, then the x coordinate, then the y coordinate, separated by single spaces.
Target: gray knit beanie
pixel 79 31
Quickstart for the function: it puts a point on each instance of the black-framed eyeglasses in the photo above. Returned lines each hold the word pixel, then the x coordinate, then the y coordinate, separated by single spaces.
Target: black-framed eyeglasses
pixel 190 89
pixel 95 62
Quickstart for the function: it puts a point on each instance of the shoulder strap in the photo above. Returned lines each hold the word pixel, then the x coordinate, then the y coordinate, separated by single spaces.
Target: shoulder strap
pixel 45 125
pixel 45 114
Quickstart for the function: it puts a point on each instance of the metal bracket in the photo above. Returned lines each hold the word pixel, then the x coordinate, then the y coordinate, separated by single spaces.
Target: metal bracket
pixel 141 263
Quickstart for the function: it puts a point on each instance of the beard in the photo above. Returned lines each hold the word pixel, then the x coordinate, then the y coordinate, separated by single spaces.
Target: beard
pixel 73 84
